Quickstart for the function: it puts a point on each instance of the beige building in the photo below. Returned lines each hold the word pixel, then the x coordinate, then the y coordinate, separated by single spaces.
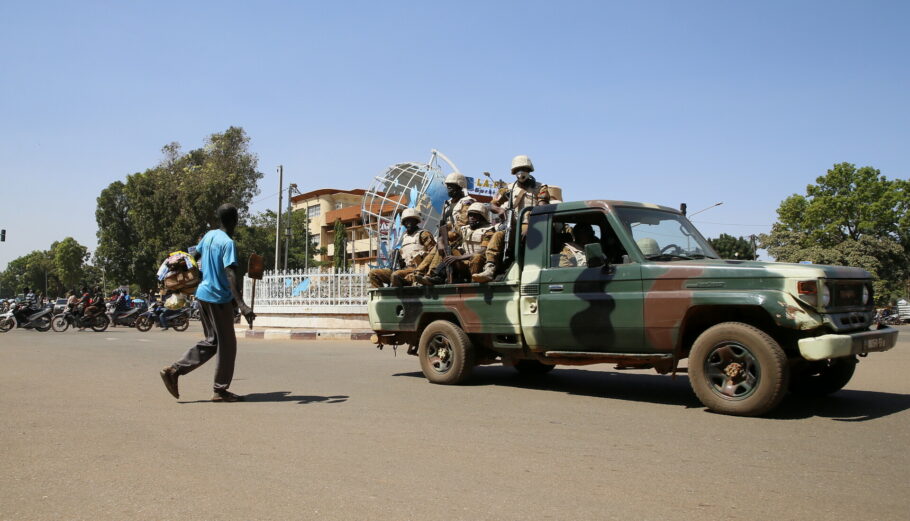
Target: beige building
pixel 323 208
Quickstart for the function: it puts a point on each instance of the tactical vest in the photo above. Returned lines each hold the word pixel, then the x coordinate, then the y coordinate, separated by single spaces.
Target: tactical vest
pixel 473 239
pixel 456 215
pixel 411 247
pixel 520 198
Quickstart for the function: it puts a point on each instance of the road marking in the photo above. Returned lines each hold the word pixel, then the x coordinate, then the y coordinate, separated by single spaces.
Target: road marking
pixel 110 338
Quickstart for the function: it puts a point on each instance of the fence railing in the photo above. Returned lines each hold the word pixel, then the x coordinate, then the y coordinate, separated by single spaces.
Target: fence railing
pixel 299 291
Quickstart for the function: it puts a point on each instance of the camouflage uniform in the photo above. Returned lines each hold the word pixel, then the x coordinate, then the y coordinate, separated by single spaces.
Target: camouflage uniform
pixel 484 245
pixel 572 255
pixel 521 198
pixel 455 215
pixel 414 249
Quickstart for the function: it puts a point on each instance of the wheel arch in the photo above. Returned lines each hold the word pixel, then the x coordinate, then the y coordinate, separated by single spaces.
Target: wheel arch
pixel 699 318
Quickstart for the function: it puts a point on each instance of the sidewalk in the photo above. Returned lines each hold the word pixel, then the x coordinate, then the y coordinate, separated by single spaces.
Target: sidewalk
pixel 268 333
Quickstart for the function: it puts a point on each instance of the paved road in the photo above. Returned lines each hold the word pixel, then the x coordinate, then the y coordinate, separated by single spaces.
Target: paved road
pixel 340 430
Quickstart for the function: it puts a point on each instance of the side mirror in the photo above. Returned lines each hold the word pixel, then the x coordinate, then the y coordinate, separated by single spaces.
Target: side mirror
pixel 594 255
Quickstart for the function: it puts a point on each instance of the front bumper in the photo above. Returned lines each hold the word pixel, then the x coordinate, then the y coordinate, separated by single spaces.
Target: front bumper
pixel 836 346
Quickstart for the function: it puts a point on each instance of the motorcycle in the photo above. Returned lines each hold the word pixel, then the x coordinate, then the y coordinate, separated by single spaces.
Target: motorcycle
pixel 178 321
pixel 25 317
pixel 64 320
pixel 126 317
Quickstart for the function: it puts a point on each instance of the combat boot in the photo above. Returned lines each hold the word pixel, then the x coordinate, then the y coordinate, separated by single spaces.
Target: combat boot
pixel 489 271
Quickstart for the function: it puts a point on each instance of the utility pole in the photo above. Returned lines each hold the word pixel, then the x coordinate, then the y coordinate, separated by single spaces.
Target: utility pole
pixel 287 230
pixel 278 215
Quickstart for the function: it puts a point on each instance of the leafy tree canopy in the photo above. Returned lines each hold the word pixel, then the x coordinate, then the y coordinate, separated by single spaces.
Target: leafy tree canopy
pixel 729 247
pixel 170 206
pixel 851 216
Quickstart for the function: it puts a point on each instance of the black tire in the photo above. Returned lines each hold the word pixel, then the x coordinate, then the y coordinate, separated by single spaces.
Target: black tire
pixel 143 324
pixel 100 322
pixel 822 378
pixel 180 324
pixel 43 324
pixel 6 324
pixel 445 352
pixel 60 323
pixel 533 367
pixel 737 369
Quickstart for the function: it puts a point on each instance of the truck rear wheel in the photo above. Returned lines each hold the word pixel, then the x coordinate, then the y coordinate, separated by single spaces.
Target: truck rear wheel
pixel 737 369
pixel 445 352
pixel 822 378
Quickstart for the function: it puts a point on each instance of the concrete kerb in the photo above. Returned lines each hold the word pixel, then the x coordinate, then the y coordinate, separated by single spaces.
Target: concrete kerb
pixel 303 334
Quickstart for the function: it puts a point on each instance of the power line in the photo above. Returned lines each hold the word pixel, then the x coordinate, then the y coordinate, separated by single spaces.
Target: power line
pixel 734 224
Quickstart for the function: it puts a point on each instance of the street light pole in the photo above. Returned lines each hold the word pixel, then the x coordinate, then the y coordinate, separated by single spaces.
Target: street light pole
pixel 278 215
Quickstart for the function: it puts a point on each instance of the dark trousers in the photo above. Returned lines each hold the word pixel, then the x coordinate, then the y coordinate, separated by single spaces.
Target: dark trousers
pixel 218 326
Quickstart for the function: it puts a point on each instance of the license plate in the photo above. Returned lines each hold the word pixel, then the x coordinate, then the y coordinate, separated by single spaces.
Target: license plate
pixel 876 343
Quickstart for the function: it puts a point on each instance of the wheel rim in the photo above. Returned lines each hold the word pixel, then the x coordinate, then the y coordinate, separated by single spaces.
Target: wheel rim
pixel 732 371
pixel 440 354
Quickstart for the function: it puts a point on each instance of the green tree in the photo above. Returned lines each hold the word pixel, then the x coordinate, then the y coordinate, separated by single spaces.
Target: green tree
pixel 69 259
pixel 258 236
pixel 340 245
pixel 729 247
pixel 170 206
pixel 852 216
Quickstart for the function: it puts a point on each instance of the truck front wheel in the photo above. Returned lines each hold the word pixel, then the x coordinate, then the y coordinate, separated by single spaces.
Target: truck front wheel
pixel 445 352
pixel 737 369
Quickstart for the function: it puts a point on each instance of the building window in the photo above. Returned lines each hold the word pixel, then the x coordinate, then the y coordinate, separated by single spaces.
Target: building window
pixel 313 211
pixel 339 205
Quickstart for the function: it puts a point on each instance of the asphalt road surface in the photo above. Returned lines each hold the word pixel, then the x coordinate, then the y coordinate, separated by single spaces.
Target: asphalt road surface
pixel 341 430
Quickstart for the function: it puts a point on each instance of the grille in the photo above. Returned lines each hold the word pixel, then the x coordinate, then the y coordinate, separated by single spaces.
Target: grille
pixel 530 289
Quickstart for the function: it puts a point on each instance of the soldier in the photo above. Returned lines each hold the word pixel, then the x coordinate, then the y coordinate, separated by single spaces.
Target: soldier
pixel 573 253
pixel 482 247
pixel 416 244
pixel 524 192
pixel 454 216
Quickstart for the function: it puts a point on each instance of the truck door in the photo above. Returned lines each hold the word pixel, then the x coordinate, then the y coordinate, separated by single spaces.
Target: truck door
pixel 583 308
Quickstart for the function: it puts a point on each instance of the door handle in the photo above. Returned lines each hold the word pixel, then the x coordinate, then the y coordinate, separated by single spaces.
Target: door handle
pixel 555 288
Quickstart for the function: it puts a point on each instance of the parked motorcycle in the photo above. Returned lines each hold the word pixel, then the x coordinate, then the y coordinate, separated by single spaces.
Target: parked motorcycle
pixel 64 320
pixel 178 321
pixel 22 316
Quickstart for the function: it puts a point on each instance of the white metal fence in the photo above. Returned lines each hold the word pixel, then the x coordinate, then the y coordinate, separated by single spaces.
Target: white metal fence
pixel 312 291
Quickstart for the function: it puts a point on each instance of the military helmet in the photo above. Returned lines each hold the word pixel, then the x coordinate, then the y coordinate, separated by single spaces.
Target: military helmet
pixel 648 246
pixel 457 178
pixel 410 213
pixel 522 162
pixel 481 209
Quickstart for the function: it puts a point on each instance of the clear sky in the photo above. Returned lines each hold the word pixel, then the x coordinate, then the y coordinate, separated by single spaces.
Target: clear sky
pixel 665 102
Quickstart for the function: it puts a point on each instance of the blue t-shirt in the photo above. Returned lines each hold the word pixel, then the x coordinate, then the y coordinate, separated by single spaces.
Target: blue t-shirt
pixel 218 252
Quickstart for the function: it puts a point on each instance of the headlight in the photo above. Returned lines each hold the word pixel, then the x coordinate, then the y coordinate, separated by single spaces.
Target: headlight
pixel 866 294
pixel 824 295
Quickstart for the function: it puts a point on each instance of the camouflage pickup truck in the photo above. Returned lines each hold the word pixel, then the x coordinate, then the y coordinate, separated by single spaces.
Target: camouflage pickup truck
pixel 647 293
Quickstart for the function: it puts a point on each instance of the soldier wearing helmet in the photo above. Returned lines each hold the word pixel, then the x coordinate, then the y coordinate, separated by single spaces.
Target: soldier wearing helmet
pixel 524 192
pixel 416 244
pixel 454 216
pixel 481 245
pixel 573 253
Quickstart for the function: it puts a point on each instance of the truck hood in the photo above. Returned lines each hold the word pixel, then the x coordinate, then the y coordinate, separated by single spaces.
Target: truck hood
pixel 717 268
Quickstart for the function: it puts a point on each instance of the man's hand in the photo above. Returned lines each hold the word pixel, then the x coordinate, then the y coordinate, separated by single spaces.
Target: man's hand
pixel 247 313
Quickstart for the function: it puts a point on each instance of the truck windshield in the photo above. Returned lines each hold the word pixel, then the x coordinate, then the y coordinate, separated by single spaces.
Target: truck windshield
pixel 664 236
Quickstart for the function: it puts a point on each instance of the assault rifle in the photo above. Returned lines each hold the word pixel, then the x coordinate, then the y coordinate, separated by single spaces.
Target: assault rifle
pixel 445 249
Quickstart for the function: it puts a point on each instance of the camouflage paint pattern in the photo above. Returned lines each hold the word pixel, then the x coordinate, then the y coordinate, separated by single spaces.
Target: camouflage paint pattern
pixel 640 307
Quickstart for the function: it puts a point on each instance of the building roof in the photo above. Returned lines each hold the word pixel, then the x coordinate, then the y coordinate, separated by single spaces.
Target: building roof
pixel 326 191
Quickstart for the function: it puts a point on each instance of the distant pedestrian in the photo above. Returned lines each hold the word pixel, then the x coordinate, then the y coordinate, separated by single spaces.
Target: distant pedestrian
pixel 217 294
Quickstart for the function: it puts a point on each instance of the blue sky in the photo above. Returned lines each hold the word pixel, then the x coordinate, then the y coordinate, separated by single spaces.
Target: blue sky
pixel 664 102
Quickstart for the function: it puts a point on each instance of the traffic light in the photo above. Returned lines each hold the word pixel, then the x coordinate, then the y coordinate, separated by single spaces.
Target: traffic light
pixel 2 235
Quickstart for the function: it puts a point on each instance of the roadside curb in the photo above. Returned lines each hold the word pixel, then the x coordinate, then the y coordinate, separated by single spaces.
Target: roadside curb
pixel 304 334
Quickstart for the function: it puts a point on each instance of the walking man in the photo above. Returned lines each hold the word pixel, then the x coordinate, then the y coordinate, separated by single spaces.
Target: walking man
pixel 217 294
